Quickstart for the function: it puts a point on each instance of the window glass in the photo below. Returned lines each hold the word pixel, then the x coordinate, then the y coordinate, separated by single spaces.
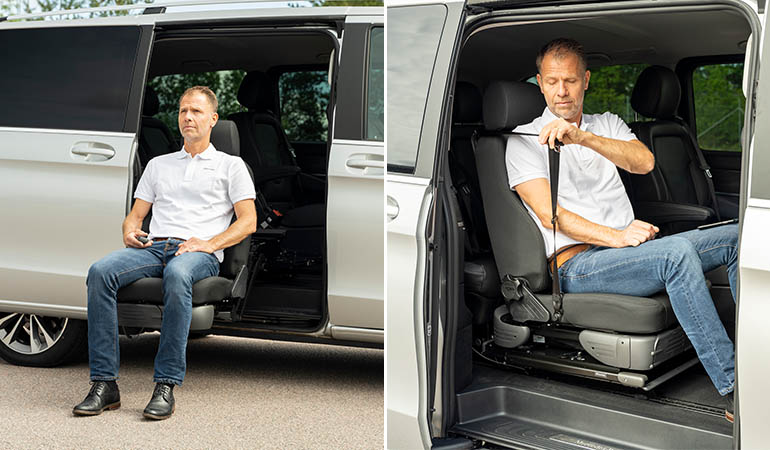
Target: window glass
pixel 375 87
pixel 414 34
pixel 304 98
pixel 224 83
pixel 719 106
pixel 67 78
pixel 609 89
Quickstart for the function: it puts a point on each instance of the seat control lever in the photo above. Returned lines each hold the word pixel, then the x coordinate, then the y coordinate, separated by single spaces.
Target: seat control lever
pixel 521 302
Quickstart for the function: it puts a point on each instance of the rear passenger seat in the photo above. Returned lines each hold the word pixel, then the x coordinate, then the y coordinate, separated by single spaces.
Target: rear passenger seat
pixel 482 283
pixel 677 194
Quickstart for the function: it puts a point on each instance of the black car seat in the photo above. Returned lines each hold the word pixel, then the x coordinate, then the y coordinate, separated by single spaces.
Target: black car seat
pixel 466 120
pixel 620 331
pixel 679 190
pixel 266 149
pixel 140 304
pixel 155 138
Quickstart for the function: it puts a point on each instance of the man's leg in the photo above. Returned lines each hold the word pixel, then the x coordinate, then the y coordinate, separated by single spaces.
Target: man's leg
pixel 179 275
pixel 105 278
pixel 716 247
pixel 672 263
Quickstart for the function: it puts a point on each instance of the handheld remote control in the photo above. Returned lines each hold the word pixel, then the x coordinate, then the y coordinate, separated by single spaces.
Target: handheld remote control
pixel 142 239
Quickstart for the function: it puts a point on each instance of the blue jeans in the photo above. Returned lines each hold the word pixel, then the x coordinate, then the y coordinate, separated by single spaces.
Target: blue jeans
pixel 123 267
pixel 677 264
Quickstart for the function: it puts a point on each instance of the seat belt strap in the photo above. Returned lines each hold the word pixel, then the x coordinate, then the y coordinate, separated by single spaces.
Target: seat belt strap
pixel 553 167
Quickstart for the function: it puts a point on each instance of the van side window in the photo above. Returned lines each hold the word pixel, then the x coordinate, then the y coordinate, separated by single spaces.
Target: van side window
pixel 375 87
pixel 414 35
pixel 719 106
pixel 609 89
pixel 72 78
pixel 304 97
pixel 170 88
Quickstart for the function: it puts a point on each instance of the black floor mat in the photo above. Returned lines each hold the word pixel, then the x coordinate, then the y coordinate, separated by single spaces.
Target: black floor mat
pixel 692 386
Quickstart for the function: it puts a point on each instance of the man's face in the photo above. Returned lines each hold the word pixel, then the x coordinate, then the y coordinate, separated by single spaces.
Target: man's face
pixel 563 83
pixel 196 117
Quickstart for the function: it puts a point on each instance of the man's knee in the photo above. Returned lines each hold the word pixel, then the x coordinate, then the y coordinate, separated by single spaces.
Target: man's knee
pixel 679 249
pixel 177 276
pixel 99 271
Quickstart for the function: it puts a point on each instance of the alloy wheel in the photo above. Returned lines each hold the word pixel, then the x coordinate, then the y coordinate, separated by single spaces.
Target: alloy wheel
pixel 30 334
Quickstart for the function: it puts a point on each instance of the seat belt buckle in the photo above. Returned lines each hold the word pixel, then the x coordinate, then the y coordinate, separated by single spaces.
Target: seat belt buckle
pixel 708 172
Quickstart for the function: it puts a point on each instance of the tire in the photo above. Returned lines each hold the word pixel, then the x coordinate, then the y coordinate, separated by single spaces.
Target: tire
pixel 41 341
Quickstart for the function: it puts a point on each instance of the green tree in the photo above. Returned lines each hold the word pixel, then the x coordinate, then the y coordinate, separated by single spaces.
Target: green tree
pixel 719 105
pixel 609 89
pixel 304 99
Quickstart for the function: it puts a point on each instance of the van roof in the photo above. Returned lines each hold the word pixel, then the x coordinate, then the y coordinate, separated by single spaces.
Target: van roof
pixel 151 13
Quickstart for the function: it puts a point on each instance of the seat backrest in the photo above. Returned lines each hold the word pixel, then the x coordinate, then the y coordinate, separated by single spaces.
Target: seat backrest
pixel 466 120
pixel 263 141
pixel 678 176
pixel 516 241
pixel 155 138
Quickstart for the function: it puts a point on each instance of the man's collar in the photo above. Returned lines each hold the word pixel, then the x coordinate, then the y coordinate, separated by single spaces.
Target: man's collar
pixel 549 116
pixel 209 153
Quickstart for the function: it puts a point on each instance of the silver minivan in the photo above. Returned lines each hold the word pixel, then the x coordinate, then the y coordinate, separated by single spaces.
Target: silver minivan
pixel 83 111
pixel 461 371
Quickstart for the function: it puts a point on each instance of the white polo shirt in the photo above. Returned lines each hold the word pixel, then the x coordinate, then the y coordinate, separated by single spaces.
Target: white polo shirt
pixel 194 197
pixel 589 184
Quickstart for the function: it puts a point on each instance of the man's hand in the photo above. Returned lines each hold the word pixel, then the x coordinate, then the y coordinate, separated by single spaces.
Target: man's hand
pixel 130 240
pixel 562 130
pixel 195 245
pixel 635 234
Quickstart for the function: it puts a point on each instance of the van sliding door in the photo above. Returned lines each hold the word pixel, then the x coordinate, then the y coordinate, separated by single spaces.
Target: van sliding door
pixel 69 115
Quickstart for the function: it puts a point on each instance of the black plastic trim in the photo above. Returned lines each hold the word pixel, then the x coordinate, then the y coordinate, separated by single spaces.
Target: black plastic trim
pixel 141 67
pixel 352 74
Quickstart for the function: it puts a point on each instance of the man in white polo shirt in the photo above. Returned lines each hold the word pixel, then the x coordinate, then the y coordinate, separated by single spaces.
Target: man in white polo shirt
pixel 605 249
pixel 193 194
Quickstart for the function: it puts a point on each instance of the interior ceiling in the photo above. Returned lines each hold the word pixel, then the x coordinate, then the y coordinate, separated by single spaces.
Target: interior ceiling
pixel 507 51
pixel 256 52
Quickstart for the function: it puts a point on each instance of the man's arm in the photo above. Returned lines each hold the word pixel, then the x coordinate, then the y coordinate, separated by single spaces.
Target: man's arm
pixel 632 156
pixel 132 225
pixel 537 194
pixel 245 224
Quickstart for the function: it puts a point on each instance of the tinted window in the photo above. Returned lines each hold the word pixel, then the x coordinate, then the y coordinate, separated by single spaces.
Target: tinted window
pixel 304 98
pixel 67 78
pixel 609 89
pixel 414 34
pixel 224 83
pixel 719 105
pixel 375 86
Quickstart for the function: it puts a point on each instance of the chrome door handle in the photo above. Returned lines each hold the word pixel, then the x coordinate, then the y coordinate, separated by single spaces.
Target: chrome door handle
pixel 391 208
pixel 365 163
pixel 92 151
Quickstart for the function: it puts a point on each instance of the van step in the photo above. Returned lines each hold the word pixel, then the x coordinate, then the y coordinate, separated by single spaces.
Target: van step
pixel 521 411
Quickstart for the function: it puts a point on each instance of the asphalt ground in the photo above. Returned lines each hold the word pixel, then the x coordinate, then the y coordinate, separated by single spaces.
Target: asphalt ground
pixel 238 393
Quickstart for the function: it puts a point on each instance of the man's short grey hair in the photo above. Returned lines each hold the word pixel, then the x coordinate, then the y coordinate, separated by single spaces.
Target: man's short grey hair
pixel 562 47
pixel 210 95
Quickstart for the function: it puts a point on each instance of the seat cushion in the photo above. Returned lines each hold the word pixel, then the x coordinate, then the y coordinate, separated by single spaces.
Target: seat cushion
pixel 149 290
pixel 306 216
pixel 619 313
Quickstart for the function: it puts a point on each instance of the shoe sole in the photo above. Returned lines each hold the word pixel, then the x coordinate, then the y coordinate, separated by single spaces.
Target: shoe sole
pixel 157 417
pixel 80 412
pixel 730 417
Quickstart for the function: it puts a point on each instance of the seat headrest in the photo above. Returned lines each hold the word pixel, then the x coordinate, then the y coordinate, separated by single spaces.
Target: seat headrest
pixel 656 93
pixel 508 104
pixel 225 137
pixel 254 92
pixel 151 104
pixel 467 107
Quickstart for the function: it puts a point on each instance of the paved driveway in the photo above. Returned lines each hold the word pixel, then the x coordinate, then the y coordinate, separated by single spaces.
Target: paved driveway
pixel 238 393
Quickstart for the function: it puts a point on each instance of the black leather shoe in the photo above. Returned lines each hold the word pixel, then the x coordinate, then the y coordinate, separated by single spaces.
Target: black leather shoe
pixel 161 404
pixel 103 395
pixel 730 408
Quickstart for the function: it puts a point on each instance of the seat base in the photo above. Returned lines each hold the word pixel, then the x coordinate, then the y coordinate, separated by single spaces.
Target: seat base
pixel 136 315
